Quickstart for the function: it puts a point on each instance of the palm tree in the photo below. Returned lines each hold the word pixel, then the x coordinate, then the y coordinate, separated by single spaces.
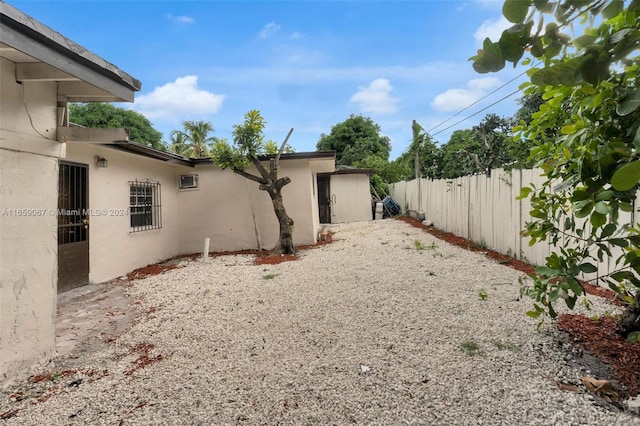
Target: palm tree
pixel 179 144
pixel 193 141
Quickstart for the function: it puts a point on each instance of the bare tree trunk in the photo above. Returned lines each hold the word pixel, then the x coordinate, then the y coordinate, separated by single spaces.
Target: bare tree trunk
pixel 285 241
pixel 273 185
pixel 270 182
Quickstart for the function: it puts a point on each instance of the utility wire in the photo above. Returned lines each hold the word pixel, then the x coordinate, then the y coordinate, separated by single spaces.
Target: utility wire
pixel 481 99
pixel 477 112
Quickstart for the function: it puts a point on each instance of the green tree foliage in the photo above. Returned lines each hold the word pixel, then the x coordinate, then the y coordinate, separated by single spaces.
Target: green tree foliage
pixel 529 105
pixel 247 149
pixel 358 143
pixel 587 141
pixel 520 148
pixel 386 172
pixel 492 136
pixel 480 149
pixel 179 144
pixel 194 140
pixel 105 115
pixel 355 139
pixel 459 154
pixel 429 156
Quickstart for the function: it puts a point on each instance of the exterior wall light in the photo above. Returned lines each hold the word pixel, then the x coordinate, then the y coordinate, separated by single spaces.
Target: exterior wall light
pixel 101 162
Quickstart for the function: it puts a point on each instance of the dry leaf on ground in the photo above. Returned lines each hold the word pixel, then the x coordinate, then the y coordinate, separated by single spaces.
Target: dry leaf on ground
pixel 602 388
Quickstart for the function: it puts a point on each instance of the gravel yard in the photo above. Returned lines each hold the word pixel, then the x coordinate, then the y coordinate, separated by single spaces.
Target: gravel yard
pixel 385 325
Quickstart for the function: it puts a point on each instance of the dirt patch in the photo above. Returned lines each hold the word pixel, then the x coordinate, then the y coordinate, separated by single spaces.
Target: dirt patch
pixel 597 336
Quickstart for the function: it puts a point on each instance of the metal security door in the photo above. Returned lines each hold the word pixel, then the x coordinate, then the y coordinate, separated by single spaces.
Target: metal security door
pixel 324 199
pixel 73 226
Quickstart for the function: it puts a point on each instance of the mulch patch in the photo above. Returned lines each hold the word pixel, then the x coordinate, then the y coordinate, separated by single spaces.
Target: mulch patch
pixel 149 270
pixel 597 336
pixel 273 259
pixel 143 350
pixel 265 258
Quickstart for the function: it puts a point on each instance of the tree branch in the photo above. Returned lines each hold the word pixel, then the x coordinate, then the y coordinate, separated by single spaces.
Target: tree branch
pixel 261 169
pixel 283 145
pixel 249 176
pixel 282 182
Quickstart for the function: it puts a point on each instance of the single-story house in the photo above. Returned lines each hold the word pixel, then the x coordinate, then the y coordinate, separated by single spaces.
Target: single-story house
pixel 146 205
pixel 82 205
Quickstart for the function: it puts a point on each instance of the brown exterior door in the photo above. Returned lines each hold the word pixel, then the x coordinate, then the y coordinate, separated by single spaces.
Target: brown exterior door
pixel 324 199
pixel 73 226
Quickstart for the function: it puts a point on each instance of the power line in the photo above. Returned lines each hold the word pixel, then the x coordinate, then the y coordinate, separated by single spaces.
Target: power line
pixel 479 100
pixel 477 112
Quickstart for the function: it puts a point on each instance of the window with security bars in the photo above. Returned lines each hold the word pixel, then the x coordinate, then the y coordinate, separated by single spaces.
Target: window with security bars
pixel 145 207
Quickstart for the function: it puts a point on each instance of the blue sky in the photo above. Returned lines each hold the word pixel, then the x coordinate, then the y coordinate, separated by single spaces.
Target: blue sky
pixel 303 64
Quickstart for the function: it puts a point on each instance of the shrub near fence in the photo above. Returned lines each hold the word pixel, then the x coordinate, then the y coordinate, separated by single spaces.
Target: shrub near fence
pixel 485 210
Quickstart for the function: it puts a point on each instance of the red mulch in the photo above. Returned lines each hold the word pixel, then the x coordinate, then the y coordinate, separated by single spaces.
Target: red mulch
pixel 273 259
pixel 265 258
pixel 599 337
pixel 469 245
pixel 149 270
pixel 143 350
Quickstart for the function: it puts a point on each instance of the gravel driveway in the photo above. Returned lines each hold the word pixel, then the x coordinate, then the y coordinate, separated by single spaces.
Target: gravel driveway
pixel 386 325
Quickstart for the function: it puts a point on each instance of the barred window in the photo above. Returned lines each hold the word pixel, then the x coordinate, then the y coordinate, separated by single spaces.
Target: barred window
pixel 145 207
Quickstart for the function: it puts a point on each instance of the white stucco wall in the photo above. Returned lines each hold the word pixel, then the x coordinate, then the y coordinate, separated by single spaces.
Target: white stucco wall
pixel 28 244
pixel 220 209
pixel 113 249
pixel 350 198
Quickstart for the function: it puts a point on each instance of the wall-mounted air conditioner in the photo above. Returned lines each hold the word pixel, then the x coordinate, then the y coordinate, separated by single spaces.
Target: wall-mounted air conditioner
pixel 188 181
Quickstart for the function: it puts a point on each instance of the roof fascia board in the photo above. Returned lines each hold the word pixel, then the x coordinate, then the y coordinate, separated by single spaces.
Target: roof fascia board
pixel 146 151
pixel 312 156
pixel 368 172
pixel 301 156
pixel 91 135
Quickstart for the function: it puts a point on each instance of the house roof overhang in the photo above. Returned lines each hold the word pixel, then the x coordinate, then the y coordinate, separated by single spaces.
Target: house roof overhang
pixel 117 138
pixel 42 54
pixel 341 170
pixel 320 161
pixel 149 152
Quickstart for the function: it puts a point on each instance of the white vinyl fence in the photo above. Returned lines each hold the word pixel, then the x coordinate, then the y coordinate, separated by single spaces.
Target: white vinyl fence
pixel 485 210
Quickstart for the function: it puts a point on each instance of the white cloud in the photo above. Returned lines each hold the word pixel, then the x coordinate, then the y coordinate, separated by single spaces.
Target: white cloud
pixel 484 83
pixel 180 98
pixel 456 99
pixel 491 28
pixel 269 29
pixel 296 35
pixel 376 97
pixel 180 19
